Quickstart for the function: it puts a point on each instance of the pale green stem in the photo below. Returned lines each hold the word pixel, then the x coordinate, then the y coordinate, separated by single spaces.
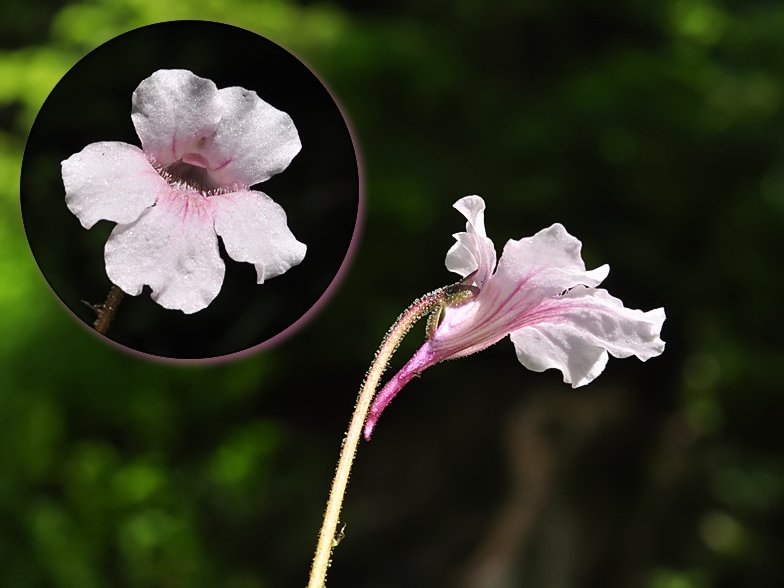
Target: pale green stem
pixel 327 538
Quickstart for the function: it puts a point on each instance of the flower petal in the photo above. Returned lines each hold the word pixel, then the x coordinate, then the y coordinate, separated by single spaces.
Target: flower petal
pixel 172 248
pixel 530 271
pixel 175 112
pixel 546 264
pixel 253 142
pixel 110 181
pixel 573 333
pixel 253 228
pixel 473 250
pixel 541 348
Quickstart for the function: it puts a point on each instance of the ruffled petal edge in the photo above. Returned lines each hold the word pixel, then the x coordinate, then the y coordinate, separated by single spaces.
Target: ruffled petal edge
pixel 253 142
pixel 473 251
pixel 110 181
pixel 574 333
pixel 254 229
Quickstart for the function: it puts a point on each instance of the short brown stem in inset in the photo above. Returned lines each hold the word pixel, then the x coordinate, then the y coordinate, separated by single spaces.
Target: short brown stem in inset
pixel 108 310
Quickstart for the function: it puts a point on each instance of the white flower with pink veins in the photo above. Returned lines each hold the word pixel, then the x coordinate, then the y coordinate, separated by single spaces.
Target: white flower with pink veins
pixel 539 294
pixel 202 148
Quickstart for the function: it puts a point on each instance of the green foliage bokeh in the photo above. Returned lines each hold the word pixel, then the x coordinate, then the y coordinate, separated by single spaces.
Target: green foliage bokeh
pixel 652 130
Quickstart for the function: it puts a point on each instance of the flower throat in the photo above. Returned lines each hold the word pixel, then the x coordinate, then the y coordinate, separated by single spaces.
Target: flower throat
pixel 188 172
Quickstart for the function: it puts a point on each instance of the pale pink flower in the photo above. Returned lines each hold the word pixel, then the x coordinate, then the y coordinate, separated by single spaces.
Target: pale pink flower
pixel 202 148
pixel 539 294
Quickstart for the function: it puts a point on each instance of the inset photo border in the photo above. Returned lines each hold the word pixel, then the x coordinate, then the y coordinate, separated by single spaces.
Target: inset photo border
pixel 319 190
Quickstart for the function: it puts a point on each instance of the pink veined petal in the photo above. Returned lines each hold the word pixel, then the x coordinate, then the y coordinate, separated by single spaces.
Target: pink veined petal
pixel 253 228
pixel 172 248
pixel 573 334
pixel 529 272
pixel 546 264
pixel 110 181
pixel 473 250
pixel 175 112
pixel 253 142
pixel 469 328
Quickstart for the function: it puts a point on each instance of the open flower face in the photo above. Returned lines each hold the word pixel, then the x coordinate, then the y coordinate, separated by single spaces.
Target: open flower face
pixel 539 294
pixel 202 149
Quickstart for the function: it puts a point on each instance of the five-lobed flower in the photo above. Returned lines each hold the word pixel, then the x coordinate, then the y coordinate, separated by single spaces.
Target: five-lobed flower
pixel 539 294
pixel 202 149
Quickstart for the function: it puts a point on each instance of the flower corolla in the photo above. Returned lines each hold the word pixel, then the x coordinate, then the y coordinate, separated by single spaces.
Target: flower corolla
pixel 202 149
pixel 539 294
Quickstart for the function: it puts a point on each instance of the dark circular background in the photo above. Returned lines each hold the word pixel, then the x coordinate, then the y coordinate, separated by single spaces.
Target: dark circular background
pixel 319 191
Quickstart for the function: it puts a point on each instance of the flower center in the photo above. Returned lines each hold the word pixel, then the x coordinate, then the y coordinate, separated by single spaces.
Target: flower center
pixel 195 159
pixel 192 171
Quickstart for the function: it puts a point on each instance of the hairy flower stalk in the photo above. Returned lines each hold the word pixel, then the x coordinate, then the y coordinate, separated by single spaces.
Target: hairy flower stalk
pixel 431 304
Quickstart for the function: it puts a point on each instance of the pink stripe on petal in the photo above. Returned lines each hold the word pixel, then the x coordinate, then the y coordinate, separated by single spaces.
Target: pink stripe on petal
pixel 172 111
pixel 173 249
pixel 254 140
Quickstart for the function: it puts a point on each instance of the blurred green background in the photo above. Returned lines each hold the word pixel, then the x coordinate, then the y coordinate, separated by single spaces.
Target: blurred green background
pixel 653 130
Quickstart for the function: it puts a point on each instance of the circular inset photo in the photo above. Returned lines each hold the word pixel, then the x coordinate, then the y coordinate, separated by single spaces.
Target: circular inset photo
pixel 190 190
